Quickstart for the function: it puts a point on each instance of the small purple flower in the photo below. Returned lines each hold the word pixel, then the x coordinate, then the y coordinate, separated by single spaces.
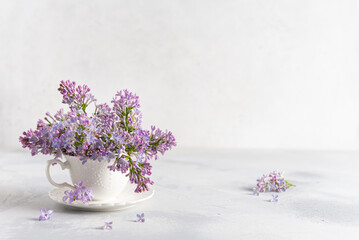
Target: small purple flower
pixel 88 196
pixel 261 188
pixel 80 195
pixel 71 196
pixel 45 215
pixel 108 226
pixel 256 191
pixel 281 181
pixel 271 187
pixel 140 218
pixel 274 198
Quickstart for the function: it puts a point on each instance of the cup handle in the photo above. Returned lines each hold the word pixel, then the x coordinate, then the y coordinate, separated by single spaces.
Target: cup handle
pixel 64 165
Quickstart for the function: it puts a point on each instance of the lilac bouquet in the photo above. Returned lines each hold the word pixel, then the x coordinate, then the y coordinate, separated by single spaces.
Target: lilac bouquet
pixel 109 133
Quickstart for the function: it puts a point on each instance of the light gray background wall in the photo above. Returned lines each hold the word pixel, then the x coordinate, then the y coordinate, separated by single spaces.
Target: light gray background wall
pixel 219 74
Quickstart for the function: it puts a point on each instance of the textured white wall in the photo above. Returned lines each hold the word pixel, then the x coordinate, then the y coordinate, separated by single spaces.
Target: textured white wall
pixel 219 74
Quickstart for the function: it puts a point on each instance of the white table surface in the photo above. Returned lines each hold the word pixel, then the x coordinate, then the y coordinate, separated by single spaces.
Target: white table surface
pixel 199 195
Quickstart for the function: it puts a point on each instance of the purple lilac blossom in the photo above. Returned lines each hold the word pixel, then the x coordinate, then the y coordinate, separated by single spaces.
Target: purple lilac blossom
pixel 45 215
pixel 274 198
pixel 140 218
pixel 271 187
pixel 274 181
pixel 110 134
pixel 107 226
pixel 256 191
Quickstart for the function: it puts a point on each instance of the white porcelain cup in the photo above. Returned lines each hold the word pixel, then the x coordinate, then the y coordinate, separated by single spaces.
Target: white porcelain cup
pixel 106 184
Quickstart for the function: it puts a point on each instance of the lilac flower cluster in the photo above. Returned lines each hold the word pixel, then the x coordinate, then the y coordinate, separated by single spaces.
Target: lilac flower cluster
pixel 274 181
pixel 81 193
pixel 113 134
pixel 76 97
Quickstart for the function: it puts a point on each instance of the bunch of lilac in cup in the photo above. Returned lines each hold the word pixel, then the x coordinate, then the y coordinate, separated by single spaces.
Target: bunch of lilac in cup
pixel 110 133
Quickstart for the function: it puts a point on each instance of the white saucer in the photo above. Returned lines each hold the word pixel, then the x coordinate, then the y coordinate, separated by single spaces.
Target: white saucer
pixel 126 199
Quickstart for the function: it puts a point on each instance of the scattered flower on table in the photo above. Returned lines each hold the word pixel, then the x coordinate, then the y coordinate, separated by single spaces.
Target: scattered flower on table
pixel 140 218
pixel 53 164
pixel 256 191
pixel 274 181
pixel 108 133
pixel 108 226
pixel 274 198
pixel 81 193
pixel 45 215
